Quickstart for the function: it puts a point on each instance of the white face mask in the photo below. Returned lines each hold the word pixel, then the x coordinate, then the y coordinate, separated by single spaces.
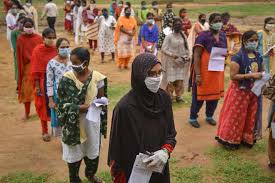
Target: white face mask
pixel 153 83
pixel 269 27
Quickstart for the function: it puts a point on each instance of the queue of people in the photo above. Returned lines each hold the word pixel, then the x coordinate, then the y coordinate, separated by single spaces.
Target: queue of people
pixel 64 89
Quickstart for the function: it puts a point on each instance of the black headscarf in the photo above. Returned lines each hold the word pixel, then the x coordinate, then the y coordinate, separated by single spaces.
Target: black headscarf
pixel 151 103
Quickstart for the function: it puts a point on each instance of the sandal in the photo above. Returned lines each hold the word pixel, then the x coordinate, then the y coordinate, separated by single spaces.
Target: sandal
pixel 46 137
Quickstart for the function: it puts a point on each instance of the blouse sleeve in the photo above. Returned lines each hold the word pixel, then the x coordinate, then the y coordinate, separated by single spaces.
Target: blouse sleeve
pixel 236 58
pixel 50 80
pixel 200 41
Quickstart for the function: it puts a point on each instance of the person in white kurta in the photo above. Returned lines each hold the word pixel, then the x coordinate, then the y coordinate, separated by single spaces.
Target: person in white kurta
pixel 11 22
pixel 78 24
pixel 106 34
pixel 31 13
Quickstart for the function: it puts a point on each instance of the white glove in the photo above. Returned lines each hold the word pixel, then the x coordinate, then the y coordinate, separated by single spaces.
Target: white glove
pixel 160 157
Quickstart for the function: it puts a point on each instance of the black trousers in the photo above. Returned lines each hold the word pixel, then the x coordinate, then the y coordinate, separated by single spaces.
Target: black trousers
pixel 90 170
pixel 51 22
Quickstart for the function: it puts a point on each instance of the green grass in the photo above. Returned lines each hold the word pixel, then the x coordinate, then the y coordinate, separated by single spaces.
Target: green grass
pixel 237 11
pixel 187 175
pixel 116 92
pixel 26 177
pixel 235 167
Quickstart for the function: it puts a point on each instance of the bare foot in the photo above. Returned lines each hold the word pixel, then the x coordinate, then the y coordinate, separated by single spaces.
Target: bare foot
pixel 46 137
pixel 25 117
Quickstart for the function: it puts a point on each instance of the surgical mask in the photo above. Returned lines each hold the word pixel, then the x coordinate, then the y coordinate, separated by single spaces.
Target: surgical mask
pixel 79 68
pixel 49 42
pixel 13 11
pixel 155 6
pixel 216 26
pixel 143 6
pixel 150 21
pixel 64 52
pixel 28 30
pixel 269 27
pixel 153 83
pixel 28 4
pixel 251 46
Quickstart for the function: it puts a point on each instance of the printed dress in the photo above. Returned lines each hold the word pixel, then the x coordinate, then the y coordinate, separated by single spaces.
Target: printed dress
pixel 106 34
pixel 55 71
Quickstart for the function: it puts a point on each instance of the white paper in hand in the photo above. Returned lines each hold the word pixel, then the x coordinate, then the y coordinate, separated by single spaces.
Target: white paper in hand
pixel 140 173
pixel 167 31
pixel 103 101
pixel 259 84
pixel 217 59
pixel 93 113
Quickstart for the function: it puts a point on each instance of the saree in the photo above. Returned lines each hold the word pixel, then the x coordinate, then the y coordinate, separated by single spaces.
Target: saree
pixel 71 93
pixel 125 43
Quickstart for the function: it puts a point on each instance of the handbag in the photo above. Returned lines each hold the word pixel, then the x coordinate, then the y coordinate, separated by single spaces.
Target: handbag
pixel 269 89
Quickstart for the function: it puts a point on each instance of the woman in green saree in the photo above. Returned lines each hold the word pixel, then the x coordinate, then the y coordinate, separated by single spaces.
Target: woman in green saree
pixel 77 91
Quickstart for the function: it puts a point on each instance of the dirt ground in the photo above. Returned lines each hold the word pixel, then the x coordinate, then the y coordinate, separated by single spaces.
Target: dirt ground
pixel 21 147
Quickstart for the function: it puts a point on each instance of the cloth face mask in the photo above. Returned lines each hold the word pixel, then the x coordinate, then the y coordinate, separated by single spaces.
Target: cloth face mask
pixel 216 26
pixel 269 27
pixel 153 83
pixel 150 21
pixel 28 30
pixel 79 68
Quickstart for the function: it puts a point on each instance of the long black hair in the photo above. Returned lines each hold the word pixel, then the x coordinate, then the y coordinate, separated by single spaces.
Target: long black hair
pixel 247 35
pixel 185 41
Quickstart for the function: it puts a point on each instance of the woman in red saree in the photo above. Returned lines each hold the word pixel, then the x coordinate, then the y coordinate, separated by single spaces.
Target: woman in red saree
pixel 238 114
pixel 41 55
pixel 26 42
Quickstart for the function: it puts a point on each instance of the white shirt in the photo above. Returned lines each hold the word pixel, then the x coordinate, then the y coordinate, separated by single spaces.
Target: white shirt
pixel 50 10
pixel 11 21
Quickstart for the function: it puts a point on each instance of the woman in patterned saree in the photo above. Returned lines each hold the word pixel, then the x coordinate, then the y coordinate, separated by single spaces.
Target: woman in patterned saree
pixel 55 70
pixel 238 114
pixel 81 135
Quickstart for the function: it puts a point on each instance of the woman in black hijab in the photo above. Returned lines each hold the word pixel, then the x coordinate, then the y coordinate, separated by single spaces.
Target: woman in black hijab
pixel 142 121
